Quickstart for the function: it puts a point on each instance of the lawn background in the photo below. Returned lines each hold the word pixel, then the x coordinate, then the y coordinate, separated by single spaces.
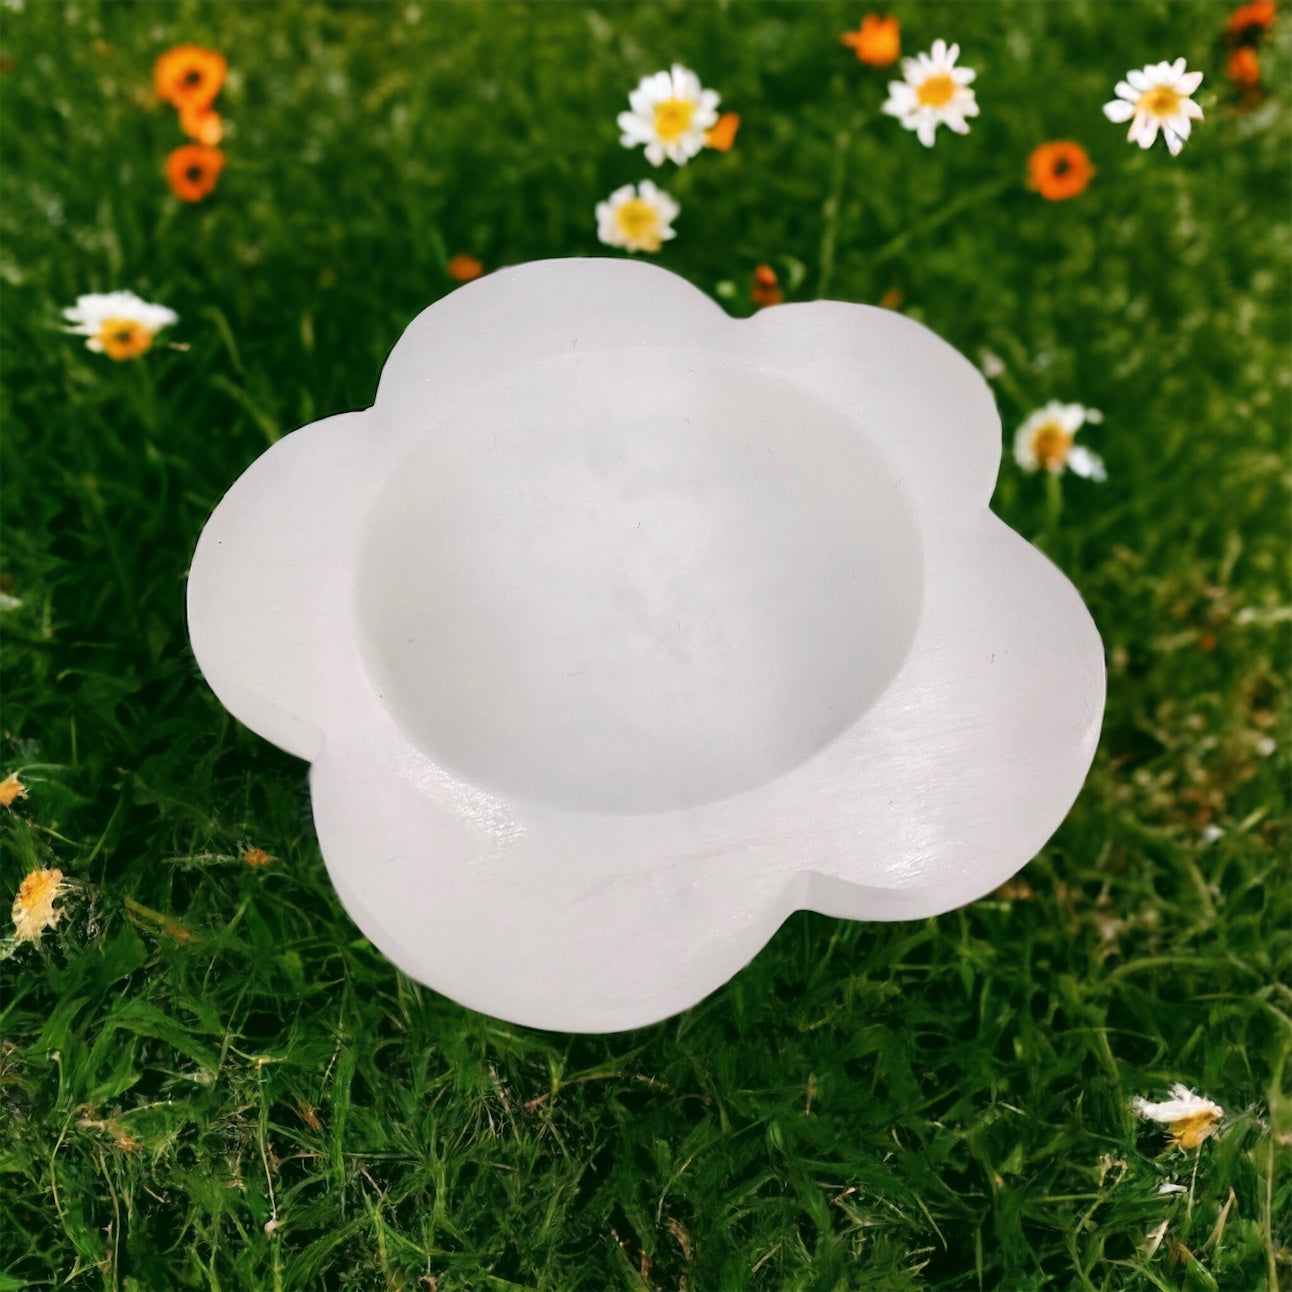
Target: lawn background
pixel 203 1047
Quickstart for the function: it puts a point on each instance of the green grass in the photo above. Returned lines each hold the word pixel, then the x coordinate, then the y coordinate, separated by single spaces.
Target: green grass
pixel 202 1046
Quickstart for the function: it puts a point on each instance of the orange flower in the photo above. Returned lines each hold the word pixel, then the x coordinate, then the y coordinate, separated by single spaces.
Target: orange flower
pixel 11 788
pixel 463 269
pixel 256 857
pixel 1244 67
pixel 1251 21
pixel 193 170
pixel 766 290
pixel 189 76
pixel 892 299
pixel 722 134
pixel 202 124
pixel 878 41
pixel 1059 170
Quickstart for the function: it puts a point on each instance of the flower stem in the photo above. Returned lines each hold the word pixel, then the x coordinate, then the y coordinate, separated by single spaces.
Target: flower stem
pixel 1053 504
pixel 948 211
pixel 830 207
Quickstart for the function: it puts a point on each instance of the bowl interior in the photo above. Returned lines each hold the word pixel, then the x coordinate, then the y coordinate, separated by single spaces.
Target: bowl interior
pixel 636 580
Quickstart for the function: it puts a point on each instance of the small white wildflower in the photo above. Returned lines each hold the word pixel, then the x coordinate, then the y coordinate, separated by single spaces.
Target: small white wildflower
pixel 671 114
pixel 33 908
pixel 1157 96
pixel 117 324
pixel 1045 440
pixel 991 365
pixel 1170 1187
pixel 637 217
pixel 1192 1118
pixel 935 93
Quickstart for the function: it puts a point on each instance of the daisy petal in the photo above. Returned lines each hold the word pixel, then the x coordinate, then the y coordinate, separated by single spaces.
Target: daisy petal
pixel 1144 129
pixel 1087 464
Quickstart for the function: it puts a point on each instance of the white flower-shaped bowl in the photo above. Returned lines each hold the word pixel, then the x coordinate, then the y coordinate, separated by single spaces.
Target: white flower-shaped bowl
pixel 618 629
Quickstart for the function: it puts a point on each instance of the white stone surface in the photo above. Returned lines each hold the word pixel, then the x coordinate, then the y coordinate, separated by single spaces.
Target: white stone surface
pixel 618 629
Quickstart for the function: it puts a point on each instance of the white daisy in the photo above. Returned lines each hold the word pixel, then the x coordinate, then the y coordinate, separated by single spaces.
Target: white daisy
pixel 637 217
pixel 1157 95
pixel 117 324
pixel 935 93
pixel 671 112
pixel 1191 1117
pixel 1045 440
pixel 991 365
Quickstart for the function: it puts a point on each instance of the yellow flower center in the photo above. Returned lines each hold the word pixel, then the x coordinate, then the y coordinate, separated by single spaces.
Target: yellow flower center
pixel 124 338
pixel 1161 102
pixel 936 91
pixel 639 222
pixel 673 119
pixel 1050 444
pixel 1190 1131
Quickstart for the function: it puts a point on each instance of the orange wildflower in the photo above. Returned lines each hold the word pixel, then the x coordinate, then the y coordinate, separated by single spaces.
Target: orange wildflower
pixel 1251 21
pixel 1244 67
pixel 722 134
pixel 11 788
pixel 766 289
pixel 193 170
pixel 1059 170
pixel 202 124
pixel 892 299
pixel 878 41
pixel 189 76
pixel 463 269
pixel 256 857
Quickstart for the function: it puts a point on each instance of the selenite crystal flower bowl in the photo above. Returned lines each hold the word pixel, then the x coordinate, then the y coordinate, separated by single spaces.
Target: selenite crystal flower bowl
pixel 618 629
